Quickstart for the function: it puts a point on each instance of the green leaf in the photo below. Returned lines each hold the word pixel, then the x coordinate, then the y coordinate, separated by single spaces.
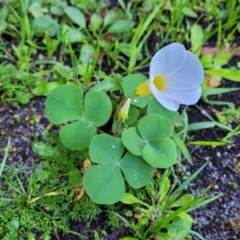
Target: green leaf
pixel 45 150
pixel 129 85
pixel 109 84
pixel 121 26
pixel 154 126
pixel 151 140
pixel 160 153
pixel 155 107
pixel 189 12
pixel 57 10
pixel 164 188
pixel 230 74
pixel 207 124
pixel 77 135
pixel 125 48
pixel 200 125
pixel 180 144
pixel 105 149
pixel 95 21
pixel 208 143
pixel 222 59
pixel 104 183
pixel 136 171
pixel 87 53
pixel 23 97
pixel 215 91
pixel 74 177
pixel 97 107
pixel 133 141
pixel 3 14
pixel 131 82
pixel 112 17
pixel 129 198
pixel 184 221
pixel 133 114
pixel 64 104
pixel 71 34
pixel 37 10
pixel 76 16
pixel 196 39
pixel 187 198
pixel 46 25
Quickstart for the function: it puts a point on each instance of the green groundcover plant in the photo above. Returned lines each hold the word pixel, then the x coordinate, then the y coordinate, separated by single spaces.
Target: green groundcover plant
pixel 127 133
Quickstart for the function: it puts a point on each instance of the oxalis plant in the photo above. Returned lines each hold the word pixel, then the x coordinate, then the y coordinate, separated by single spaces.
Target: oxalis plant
pixel 127 126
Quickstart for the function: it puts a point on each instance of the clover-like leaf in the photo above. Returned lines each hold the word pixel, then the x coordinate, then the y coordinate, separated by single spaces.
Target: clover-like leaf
pixel 65 103
pixel 133 114
pixel 77 135
pixel 97 107
pixel 104 183
pixel 155 107
pixel 105 149
pixel 135 170
pixel 153 126
pixel 151 140
pixel 132 141
pixel 129 85
pixel 161 153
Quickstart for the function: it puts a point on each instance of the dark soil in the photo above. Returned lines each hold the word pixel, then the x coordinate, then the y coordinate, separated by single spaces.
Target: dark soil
pixel 216 220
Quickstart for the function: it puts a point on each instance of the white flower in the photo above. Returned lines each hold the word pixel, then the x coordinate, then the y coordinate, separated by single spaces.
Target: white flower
pixel 175 76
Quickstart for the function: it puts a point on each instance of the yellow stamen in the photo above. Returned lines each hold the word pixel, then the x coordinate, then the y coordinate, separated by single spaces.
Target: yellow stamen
pixel 159 82
pixel 143 89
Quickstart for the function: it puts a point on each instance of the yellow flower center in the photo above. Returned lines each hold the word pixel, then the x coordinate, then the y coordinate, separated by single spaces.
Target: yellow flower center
pixel 143 89
pixel 159 82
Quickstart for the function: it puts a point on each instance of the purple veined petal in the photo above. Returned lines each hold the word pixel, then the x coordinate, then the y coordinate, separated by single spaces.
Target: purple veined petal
pixel 174 56
pixel 156 66
pixel 165 101
pixel 188 97
pixel 189 76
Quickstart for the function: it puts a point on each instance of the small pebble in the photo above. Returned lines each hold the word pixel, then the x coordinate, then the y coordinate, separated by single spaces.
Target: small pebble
pixel 219 154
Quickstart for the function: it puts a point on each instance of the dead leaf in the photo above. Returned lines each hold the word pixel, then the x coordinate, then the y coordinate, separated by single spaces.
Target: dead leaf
pixel 100 56
pixel 139 215
pixel 47 194
pixel 78 193
pixel 214 81
pixel 5 107
pixel 85 165
pixel 108 37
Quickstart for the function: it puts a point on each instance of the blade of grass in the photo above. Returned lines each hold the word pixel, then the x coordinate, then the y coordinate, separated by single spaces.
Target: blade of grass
pixel 5 157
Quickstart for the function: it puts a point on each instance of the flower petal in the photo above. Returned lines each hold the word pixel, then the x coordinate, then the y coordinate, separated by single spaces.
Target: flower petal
pixel 156 66
pixel 165 101
pixel 187 97
pixel 189 76
pixel 174 56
